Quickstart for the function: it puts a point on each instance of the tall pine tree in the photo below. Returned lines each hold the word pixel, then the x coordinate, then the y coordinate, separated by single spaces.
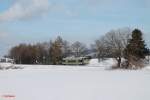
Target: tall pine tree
pixel 135 50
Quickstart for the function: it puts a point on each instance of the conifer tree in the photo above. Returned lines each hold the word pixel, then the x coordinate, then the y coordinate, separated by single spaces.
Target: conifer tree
pixel 135 50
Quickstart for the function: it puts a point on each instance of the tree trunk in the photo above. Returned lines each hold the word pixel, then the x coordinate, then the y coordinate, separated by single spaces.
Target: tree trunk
pixel 119 62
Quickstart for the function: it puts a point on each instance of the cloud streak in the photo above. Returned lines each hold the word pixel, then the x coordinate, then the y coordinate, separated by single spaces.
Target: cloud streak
pixel 25 9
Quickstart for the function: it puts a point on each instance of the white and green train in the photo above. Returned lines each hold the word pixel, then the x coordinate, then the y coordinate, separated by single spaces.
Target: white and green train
pixel 76 61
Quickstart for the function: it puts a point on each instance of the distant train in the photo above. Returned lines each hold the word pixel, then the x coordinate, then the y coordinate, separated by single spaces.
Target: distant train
pixel 76 60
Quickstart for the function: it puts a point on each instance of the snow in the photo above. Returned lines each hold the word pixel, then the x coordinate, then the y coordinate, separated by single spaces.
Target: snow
pixel 93 65
pixel 5 65
pixel 48 82
pixel 107 62
pixel 147 67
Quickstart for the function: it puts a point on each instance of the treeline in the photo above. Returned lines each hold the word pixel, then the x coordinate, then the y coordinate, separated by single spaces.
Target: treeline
pixel 125 45
pixel 47 52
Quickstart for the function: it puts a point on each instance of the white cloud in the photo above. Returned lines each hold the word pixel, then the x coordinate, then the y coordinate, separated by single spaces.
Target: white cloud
pixel 24 9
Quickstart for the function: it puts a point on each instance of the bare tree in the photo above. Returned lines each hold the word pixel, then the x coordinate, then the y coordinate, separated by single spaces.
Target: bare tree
pixel 66 48
pixel 101 49
pixel 115 41
pixel 78 48
pixel 43 53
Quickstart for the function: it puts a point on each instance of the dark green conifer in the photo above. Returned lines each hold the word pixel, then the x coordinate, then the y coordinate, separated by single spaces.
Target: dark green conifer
pixel 135 50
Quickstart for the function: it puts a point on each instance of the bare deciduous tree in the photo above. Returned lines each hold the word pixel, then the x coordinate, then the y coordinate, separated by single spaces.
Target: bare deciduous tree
pixel 78 48
pixel 66 48
pixel 101 49
pixel 115 41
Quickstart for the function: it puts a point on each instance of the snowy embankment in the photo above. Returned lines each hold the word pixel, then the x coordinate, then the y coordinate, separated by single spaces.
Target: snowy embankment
pixel 5 65
pixel 93 65
pixel 147 67
pixel 105 63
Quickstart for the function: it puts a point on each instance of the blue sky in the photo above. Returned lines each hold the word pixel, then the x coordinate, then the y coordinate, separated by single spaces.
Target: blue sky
pixel 31 21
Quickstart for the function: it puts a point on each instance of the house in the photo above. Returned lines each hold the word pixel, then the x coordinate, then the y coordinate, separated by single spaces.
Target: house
pixel 6 60
pixel 75 60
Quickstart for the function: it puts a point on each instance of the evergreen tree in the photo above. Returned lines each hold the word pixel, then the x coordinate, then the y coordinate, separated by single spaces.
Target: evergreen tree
pixel 135 50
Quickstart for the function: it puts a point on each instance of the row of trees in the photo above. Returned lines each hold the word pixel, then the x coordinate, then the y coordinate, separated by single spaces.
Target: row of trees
pixel 48 52
pixel 123 44
pixel 126 46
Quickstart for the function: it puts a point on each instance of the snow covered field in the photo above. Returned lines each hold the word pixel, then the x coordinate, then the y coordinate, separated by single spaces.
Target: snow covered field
pixel 74 83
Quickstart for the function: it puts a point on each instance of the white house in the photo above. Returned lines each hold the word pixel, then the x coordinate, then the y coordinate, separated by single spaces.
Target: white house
pixel 6 63
pixel 6 60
